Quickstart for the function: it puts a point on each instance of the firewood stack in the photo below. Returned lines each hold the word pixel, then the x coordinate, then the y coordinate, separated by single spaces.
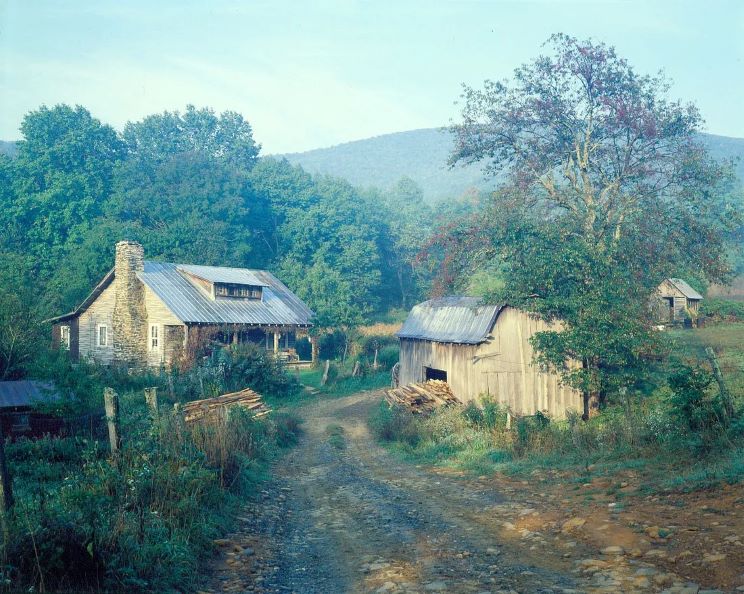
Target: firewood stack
pixel 213 407
pixel 422 398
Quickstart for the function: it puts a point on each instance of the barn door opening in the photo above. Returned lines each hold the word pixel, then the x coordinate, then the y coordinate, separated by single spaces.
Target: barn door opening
pixel 435 374
pixel 670 304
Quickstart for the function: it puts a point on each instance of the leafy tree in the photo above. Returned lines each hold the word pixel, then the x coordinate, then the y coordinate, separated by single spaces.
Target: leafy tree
pixel 409 220
pixel 606 192
pixel 190 208
pixel 227 138
pixel 61 177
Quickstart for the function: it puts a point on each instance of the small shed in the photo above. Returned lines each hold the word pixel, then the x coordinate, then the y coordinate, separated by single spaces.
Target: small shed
pixel 676 297
pixel 19 413
pixel 481 350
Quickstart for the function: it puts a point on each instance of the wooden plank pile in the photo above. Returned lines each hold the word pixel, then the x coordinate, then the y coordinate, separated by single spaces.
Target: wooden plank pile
pixel 214 407
pixel 422 398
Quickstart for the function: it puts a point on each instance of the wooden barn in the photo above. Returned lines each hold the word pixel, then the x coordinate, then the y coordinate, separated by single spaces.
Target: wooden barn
pixel 675 298
pixel 143 313
pixel 481 350
pixel 19 409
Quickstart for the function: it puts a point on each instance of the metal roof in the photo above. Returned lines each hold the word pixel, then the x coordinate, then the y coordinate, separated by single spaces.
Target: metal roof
pixel 25 393
pixel 190 304
pixel 462 320
pixel 219 274
pixel 686 289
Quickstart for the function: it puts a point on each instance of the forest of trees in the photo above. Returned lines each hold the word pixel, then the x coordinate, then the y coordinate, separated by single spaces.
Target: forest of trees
pixel 191 187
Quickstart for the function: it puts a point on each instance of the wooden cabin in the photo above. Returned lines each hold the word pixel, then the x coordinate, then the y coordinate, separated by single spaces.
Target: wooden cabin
pixel 481 350
pixel 20 414
pixel 143 313
pixel 674 299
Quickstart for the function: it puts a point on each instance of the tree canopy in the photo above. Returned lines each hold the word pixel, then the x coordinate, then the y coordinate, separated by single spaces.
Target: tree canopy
pixel 191 188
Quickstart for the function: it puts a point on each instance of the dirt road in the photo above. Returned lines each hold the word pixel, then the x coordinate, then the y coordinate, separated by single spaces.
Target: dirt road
pixel 343 515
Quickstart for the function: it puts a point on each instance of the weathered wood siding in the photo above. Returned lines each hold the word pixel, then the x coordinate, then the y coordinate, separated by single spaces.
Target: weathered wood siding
pixel 500 368
pixel 158 314
pixel 99 312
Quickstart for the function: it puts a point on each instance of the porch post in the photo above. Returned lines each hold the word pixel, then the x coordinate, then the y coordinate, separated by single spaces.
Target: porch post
pixel 276 341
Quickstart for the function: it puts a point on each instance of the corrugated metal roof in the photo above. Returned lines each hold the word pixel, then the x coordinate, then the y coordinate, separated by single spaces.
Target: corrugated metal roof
pixel 279 306
pixel 686 289
pixel 26 393
pixel 462 320
pixel 220 274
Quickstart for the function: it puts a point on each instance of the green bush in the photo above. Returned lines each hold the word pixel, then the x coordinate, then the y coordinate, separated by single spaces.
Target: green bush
pixel 393 423
pixel 388 356
pixel 723 309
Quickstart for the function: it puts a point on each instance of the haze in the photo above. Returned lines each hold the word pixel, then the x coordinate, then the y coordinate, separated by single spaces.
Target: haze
pixel 316 74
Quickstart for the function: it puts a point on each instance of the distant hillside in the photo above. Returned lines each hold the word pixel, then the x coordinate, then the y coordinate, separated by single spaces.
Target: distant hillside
pixel 8 148
pixel 422 155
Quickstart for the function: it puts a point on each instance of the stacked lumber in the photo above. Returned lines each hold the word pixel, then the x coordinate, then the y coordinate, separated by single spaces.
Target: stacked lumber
pixel 422 398
pixel 214 407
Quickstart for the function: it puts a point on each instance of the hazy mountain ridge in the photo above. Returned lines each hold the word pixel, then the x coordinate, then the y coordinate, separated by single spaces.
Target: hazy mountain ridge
pixel 422 155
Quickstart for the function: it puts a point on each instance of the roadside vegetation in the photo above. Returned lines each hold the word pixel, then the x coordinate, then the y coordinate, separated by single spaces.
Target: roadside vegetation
pixel 146 519
pixel 676 433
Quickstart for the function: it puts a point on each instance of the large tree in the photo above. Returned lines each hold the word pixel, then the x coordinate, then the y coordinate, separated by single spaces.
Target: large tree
pixel 605 190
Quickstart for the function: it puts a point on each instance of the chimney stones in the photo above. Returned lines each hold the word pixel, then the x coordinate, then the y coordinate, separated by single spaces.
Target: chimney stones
pixel 130 316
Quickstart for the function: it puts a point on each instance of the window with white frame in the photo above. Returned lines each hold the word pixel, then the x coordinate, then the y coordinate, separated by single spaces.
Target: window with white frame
pixel 64 337
pixel 154 337
pixel 102 335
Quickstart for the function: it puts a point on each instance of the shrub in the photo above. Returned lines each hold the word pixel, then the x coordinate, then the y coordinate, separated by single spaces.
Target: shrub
pixel 234 368
pixel 394 423
pixel 388 356
pixel 723 309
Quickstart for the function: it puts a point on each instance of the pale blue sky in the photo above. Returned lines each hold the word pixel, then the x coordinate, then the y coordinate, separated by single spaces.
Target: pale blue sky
pixel 312 74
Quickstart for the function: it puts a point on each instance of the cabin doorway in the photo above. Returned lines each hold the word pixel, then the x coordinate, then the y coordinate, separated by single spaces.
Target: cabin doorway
pixel 430 373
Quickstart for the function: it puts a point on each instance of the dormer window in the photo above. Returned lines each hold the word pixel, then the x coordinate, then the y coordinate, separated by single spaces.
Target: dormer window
pixel 237 291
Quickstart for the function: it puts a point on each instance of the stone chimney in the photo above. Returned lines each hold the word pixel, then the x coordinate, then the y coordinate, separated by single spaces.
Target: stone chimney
pixel 129 317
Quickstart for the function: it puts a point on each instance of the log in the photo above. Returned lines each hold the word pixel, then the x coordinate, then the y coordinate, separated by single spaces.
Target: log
pixel 212 407
pixel 422 398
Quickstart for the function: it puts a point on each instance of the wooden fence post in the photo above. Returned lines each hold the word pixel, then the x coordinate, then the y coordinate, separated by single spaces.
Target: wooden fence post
pixel 111 402
pixel 324 380
pixel 178 414
pixel 728 403
pixel 151 397
pixel 6 484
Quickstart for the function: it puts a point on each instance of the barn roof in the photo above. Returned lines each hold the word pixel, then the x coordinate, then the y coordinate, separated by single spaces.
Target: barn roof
pixel 461 320
pixel 24 393
pixel 190 304
pixel 685 289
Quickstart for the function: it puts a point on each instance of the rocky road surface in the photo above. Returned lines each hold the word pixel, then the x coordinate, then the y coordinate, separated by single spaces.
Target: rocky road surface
pixel 343 515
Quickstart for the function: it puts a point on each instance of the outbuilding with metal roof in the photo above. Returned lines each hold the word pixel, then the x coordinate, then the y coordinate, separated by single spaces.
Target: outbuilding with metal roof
pixel 481 350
